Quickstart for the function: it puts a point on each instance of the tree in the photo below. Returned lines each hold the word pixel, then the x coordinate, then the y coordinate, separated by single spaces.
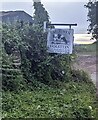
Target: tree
pixel 40 14
pixel 93 18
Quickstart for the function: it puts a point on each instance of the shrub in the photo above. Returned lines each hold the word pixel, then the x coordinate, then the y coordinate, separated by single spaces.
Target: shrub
pixel 36 63
pixel 80 76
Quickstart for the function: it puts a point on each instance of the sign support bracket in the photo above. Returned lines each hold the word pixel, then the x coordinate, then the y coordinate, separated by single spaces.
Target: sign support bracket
pixel 46 25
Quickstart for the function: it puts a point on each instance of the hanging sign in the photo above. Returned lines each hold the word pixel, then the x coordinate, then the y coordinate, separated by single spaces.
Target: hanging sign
pixel 60 41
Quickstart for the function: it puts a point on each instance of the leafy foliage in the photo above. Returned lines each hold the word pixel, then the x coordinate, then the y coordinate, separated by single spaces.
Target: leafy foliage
pixel 71 100
pixel 36 63
pixel 12 78
pixel 40 14
pixel 93 18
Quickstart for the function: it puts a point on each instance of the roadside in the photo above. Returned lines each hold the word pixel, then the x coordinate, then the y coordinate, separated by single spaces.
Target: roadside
pixel 87 63
pixel 86 59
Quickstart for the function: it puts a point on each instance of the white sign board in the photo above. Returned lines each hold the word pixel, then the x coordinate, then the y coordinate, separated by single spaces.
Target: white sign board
pixel 60 41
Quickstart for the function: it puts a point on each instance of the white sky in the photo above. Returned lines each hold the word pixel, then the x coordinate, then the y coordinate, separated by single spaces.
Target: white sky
pixel 60 11
pixel 44 0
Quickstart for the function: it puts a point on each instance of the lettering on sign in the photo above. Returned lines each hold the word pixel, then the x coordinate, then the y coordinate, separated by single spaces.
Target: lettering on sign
pixel 60 41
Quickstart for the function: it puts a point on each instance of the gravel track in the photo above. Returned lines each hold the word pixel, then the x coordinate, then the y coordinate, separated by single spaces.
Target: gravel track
pixel 87 63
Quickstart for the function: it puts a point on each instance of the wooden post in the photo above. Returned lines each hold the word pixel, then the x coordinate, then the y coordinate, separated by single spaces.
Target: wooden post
pixel 45 26
pixel 69 26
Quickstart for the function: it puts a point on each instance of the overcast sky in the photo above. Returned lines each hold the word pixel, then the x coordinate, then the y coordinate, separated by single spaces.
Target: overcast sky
pixel 64 11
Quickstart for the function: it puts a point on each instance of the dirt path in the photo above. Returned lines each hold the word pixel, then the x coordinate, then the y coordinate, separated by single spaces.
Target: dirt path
pixel 88 64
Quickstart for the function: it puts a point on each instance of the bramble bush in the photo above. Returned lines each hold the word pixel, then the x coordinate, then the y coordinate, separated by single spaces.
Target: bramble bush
pixel 36 63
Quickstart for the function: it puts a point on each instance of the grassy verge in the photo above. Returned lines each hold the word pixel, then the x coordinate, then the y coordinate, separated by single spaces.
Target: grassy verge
pixel 72 100
pixel 69 100
pixel 85 49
